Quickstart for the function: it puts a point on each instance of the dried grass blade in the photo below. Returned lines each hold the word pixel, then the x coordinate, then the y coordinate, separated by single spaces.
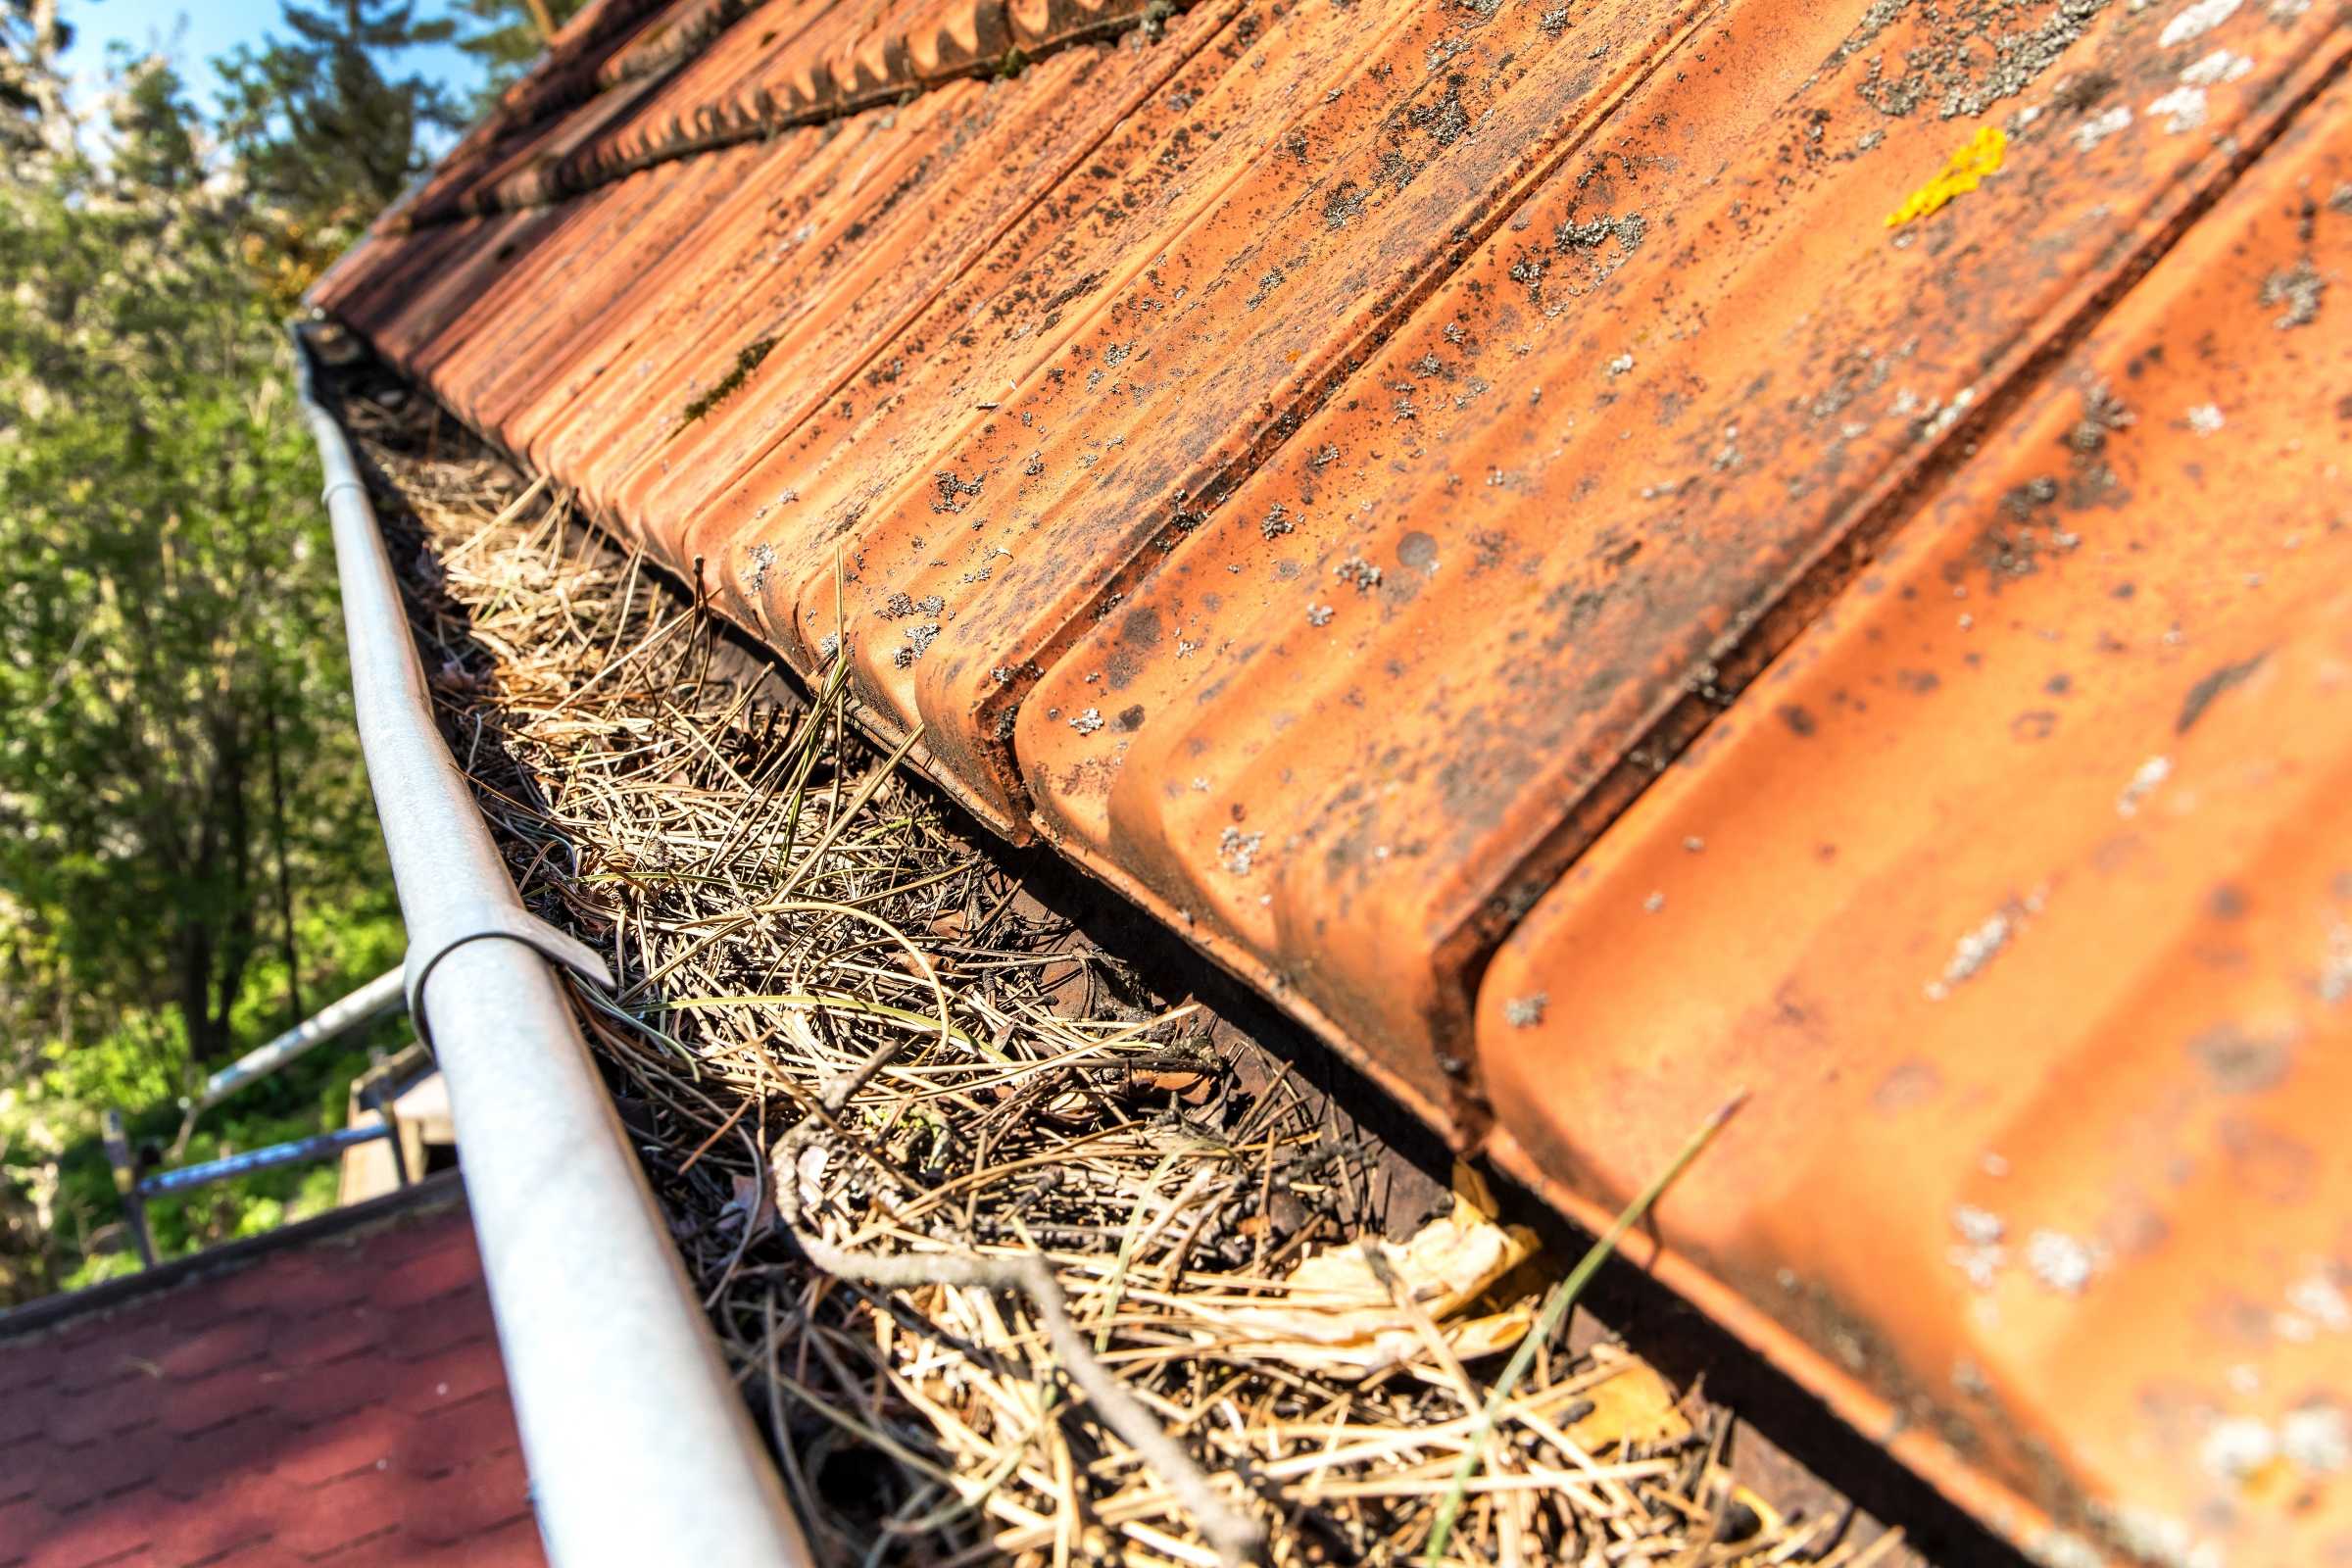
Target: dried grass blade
pixel 1563 1297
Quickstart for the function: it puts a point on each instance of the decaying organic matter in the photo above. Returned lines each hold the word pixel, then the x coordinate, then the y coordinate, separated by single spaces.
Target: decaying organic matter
pixel 964 1201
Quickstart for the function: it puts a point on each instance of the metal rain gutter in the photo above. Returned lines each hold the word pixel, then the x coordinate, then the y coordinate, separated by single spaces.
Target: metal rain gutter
pixel 379 996
pixel 639 1447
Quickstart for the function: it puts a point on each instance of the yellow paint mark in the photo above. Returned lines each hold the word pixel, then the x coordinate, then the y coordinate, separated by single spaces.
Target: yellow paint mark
pixel 1965 172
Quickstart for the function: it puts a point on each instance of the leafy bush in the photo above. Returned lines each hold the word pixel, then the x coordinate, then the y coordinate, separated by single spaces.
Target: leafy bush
pixel 188 853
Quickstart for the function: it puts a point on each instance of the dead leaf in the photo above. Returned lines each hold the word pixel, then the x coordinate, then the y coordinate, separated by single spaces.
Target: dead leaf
pixel 1339 1317
pixel 1470 1188
pixel 1194 1087
pixel 1634 1407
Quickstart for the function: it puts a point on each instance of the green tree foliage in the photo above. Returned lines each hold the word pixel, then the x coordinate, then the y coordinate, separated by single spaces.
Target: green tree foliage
pixel 321 137
pixel 510 35
pixel 32 94
pixel 184 831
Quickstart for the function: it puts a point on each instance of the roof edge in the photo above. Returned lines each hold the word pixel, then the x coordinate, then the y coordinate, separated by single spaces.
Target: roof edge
pixel 432 1195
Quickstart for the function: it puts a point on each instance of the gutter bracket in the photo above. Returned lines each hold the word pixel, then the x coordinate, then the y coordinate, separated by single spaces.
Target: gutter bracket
pixel 487 920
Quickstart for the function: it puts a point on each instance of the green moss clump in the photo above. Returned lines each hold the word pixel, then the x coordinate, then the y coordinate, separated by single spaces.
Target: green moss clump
pixel 745 364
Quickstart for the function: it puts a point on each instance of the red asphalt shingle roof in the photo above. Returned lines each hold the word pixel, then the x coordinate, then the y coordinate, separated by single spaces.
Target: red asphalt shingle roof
pixel 340 1401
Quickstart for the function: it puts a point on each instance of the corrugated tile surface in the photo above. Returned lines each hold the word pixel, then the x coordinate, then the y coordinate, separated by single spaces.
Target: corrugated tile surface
pixel 2020 891
pixel 340 1401
pixel 1597 554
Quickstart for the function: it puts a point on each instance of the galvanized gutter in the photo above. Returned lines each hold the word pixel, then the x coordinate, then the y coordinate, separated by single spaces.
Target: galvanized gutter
pixel 639 1447
pixel 379 996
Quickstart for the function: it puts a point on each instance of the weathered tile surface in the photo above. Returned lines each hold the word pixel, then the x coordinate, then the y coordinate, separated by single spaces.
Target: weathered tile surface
pixel 1598 554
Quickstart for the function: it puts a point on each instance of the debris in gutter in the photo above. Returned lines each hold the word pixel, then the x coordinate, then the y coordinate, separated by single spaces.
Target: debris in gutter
pixel 1017 1260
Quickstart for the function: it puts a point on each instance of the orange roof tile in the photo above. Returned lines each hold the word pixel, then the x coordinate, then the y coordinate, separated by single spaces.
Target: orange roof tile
pixel 1456 506
pixel 2018 891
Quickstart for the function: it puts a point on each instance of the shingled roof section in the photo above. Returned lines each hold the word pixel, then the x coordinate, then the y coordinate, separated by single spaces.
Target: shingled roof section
pixel 333 1396
pixel 1598 554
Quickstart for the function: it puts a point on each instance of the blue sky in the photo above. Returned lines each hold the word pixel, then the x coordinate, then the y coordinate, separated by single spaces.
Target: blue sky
pixel 214 28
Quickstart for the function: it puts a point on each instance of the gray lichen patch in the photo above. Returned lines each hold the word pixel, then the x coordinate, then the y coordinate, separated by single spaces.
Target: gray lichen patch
pixel 1237 851
pixel 2101 125
pixel 2336 966
pixel 1593 232
pixel 2299 288
pixel 2236 1446
pixel 2063 1548
pixel 918 639
pixel 2157 1538
pixel 2144 782
pixel 1972 953
pixel 2062 1262
pixel 2316 1439
pixel 1344 204
pixel 1444 120
pixel 1962 56
pixel 2316 1302
pixel 1979 1254
pixel 952 491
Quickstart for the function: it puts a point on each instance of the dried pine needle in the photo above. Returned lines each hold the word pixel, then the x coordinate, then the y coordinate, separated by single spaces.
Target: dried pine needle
pixel 808 940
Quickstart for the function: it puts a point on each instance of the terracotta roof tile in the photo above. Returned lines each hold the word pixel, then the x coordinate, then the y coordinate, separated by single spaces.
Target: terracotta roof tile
pixel 1458 508
pixel 544 302
pixel 691 351
pixel 820 334
pixel 1614 457
pixel 566 75
pixel 883 431
pixel 2037 912
pixel 1247 311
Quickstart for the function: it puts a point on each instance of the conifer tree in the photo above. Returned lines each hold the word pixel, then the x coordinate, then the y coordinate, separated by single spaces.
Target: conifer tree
pixel 511 34
pixel 323 135
pixel 33 115
pixel 167 626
